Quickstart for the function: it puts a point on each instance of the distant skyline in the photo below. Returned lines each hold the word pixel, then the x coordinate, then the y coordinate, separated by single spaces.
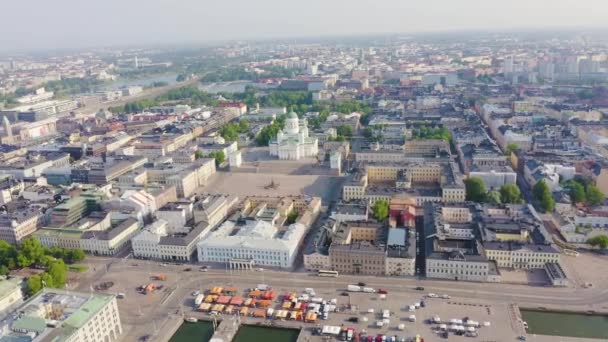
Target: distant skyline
pixel 59 24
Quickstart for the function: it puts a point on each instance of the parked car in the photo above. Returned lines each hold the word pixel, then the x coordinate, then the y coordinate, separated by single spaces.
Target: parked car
pixel 419 288
pixel 382 291
pixel 361 283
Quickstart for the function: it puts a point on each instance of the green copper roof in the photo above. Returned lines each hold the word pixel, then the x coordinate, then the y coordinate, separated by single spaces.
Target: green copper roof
pixel 86 311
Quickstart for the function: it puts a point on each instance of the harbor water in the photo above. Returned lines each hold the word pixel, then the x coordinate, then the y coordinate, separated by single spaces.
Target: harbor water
pixel 252 333
pixel 201 331
pixel 569 324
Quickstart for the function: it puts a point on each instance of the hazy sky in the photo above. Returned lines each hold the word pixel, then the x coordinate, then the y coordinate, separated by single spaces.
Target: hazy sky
pixel 31 24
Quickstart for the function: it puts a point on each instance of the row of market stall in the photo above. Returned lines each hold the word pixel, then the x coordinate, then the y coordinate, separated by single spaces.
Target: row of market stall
pixel 309 317
pixel 237 301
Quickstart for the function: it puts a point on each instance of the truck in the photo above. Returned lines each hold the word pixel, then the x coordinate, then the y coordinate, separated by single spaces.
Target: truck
pixel 353 288
pixel 160 276
pixel 350 332
pixel 386 314
pixel 368 290
pixel 149 288
pixel 199 299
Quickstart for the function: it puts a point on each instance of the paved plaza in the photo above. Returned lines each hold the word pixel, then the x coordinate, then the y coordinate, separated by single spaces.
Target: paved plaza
pixel 257 184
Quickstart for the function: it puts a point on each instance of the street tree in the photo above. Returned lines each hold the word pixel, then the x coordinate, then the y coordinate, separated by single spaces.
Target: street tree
pixel 32 251
pixel 512 147
pixel 344 130
pixel 510 193
pixel 577 192
pixel 33 285
pixel 219 157
pixel 58 272
pixel 494 197
pixel 600 241
pixel 594 195
pixel 543 195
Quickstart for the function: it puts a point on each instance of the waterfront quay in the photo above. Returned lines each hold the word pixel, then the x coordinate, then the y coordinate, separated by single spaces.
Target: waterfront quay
pixel 159 314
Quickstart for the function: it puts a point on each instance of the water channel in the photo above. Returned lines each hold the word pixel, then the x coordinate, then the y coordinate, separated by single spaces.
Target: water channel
pixel 202 331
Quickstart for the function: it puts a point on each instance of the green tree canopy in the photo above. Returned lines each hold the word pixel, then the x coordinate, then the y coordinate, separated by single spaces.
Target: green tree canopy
pixel 269 132
pixel 292 217
pixel 219 157
pixel 512 147
pixel 543 194
pixel 3 270
pixel 58 272
pixel 75 255
pixel 229 132
pixel 494 197
pixel 380 209
pixel 34 285
pixel 344 130
pixel 31 251
pixel 510 193
pixel 244 126
pixel 424 132
pixel 577 192
pixel 8 255
pixel 594 196
pixel 600 241
pixel 475 189
pixel 47 280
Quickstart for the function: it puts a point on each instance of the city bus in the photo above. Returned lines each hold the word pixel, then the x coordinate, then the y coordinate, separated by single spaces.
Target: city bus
pixel 325 273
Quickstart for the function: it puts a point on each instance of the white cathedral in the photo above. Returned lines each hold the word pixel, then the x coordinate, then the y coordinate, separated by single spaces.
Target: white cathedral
pixel 293 142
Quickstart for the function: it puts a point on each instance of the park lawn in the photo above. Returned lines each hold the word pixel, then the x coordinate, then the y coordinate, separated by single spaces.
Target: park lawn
pixel 77 268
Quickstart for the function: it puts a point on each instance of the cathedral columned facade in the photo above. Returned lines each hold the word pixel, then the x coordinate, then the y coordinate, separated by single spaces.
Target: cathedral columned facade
pixel 293 142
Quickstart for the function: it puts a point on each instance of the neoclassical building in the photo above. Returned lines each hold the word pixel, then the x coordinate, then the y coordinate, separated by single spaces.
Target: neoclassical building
pixel 293 142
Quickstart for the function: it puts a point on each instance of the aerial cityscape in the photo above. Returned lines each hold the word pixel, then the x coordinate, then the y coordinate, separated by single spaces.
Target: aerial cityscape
pixel 332 182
